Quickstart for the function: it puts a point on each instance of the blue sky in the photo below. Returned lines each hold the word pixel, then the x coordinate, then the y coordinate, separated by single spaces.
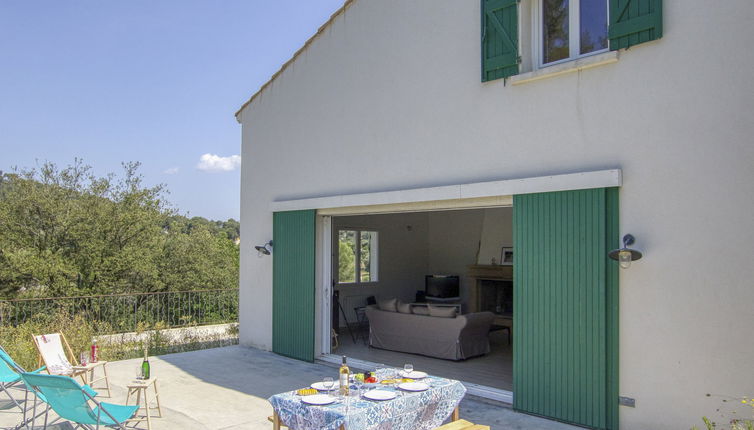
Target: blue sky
pixel 143 80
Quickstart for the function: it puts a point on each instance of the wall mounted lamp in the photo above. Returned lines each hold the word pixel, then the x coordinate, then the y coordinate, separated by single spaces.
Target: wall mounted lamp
pixel 625 255
pixel 265 249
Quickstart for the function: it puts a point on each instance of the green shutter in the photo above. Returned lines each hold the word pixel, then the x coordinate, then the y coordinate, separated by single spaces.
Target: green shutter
pixel 565 292
pixel 633 22
pixel 293 240
pixel 499 39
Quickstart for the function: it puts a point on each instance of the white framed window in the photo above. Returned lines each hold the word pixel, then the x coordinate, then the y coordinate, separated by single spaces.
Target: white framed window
pixel 358 256
pixel 565 30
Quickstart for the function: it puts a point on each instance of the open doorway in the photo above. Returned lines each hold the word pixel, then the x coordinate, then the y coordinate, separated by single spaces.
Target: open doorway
pixel 458 263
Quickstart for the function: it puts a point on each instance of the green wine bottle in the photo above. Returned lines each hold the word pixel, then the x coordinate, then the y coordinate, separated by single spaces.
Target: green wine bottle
pixel 145 373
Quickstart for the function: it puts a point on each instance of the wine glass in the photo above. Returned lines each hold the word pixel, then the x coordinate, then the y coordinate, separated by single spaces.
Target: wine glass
pixel 407 369
pixel 139 373
pixel 83 357
pixel 328 383
pixel 379 372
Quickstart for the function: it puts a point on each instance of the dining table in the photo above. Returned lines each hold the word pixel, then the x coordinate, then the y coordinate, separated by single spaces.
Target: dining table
pixel 408 410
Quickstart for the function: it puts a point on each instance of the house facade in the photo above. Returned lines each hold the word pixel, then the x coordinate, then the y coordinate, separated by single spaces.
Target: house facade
pixel 640 122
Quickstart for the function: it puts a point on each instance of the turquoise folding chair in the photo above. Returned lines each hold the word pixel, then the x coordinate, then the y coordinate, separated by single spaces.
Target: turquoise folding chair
pixel 10 375
pixel 73 402
pixel 9 378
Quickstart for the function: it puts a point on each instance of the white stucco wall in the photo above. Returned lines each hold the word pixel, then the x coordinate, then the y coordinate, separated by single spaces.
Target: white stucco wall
pixel 389 97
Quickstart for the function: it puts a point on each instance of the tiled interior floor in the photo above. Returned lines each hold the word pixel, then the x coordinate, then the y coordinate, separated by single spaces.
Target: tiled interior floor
pixel 493 370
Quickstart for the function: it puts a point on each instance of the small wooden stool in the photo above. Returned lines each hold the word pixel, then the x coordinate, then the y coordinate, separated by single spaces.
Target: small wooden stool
pixel 139 387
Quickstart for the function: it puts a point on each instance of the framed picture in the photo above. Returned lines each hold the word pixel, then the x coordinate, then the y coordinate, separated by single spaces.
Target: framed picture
pixel 506 257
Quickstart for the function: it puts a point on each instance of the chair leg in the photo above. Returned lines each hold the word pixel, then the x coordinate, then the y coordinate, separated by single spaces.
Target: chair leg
pixel 34 413
pixel 26 403
pixel 4 388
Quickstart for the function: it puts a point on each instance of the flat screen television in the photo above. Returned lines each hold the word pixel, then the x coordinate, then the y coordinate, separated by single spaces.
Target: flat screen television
pixel 441 286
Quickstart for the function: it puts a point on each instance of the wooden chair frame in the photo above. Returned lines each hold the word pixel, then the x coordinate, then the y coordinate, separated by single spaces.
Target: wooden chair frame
pixel 85 373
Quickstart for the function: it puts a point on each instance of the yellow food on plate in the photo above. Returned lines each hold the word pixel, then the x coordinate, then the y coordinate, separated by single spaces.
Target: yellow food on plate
pixel 388 381
pixel 306 392
pixel 406 380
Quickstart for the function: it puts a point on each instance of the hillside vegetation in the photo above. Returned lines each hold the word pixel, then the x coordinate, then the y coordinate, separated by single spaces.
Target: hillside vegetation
pixel 66 232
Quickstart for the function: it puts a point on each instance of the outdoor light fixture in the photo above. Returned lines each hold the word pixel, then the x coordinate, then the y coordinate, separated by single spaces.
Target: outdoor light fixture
pixel 265 249
pixel 625 255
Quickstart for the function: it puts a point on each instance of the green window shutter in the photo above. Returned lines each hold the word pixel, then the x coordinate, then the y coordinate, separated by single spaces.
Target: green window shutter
pixel 293 240
pixel 499 39
pixel 633 22
pixel 566 306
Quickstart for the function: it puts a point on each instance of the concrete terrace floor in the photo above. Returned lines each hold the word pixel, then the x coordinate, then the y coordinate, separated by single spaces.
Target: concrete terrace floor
pixel 227 388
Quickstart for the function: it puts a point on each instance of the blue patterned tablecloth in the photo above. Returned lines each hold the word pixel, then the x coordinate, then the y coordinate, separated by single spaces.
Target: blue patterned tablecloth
pixel 409 411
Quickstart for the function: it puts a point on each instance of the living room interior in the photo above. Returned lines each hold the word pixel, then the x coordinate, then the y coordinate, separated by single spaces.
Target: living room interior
pixel 460 261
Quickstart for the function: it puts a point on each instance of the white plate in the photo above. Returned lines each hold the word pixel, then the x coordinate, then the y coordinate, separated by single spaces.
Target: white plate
pixel 318 399
pixel 414 386
pixel 413 375
pixel 320 386
pixel 380 395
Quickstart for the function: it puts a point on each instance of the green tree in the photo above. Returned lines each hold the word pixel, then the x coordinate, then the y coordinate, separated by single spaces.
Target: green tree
pixel 69 232
pixel 346 263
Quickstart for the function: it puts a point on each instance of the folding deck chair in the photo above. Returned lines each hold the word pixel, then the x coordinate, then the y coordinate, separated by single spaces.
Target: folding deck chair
pixel 9 377
pixel 12 376
pixel 56 354
pixel 75 403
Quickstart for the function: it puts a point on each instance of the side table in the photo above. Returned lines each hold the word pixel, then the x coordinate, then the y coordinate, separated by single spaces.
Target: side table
pixel 138 388
pixel 87 375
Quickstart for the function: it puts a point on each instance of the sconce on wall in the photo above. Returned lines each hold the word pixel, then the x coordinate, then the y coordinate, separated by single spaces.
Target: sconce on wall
pixel 625 255
pixel 265 249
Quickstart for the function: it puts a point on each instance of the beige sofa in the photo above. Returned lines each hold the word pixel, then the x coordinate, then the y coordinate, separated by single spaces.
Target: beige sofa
pixel 458 338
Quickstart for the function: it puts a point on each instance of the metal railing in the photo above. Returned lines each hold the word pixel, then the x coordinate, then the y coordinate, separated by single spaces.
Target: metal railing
pixel 121 313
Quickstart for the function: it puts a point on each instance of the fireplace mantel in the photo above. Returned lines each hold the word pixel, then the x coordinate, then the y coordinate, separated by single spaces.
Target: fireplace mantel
pixel 486 271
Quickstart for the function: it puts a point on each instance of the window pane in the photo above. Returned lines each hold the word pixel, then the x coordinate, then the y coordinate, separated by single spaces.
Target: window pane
pixel 593 17
pixel 346 256
pixel 554 30
pixel 368 263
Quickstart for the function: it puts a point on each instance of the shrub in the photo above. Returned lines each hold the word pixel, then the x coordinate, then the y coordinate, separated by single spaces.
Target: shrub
pixel 18 342
pixel 79 332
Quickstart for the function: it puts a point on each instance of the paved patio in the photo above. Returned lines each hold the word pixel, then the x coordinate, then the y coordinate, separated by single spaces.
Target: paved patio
pixel 227 388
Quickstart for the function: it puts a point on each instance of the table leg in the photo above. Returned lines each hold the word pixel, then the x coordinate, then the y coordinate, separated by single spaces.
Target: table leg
pixel 456 414
pixel 107 381
pixel 157 397
pixel 146 408
pixel 275 421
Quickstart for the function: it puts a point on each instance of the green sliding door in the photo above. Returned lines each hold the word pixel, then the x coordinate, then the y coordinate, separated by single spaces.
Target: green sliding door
pixel 566 306
pixel 293 241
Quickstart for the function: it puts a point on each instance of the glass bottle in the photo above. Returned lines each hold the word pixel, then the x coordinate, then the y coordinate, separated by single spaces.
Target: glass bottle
pixel 145 371
pixel 343 377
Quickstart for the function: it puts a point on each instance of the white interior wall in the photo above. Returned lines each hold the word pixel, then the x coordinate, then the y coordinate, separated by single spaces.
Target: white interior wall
pixel 497 232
